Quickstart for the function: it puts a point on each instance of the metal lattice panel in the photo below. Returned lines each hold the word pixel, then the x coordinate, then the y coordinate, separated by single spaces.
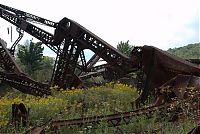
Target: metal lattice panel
pixel 29 16
pixel 37 32
pixel 64 74
pixel 7 62
pixel 24 84
pixel 77 39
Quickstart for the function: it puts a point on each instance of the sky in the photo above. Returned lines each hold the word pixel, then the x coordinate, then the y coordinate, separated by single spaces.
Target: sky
pixel 161 23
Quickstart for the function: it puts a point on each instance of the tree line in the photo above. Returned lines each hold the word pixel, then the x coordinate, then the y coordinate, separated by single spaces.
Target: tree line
pixel 190 51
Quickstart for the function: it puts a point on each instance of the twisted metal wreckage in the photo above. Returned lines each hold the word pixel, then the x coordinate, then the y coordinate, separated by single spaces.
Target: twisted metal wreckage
pixel 161 69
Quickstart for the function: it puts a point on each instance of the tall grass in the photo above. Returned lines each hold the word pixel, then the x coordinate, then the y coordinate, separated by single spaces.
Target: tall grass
pixel 78 103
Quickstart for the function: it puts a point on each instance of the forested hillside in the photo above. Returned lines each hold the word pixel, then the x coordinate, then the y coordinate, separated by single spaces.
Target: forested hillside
pixel 191 51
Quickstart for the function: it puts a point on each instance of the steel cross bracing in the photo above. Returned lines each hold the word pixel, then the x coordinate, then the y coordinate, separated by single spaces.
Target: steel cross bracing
pixel 29 17
pixel 94 72
pixel 7 62
pixel 21 34
pixel 100 70
pixel 33 18
pixel 77 38
pixel 37 32
pixel 40 34
pixel 64 75
pixel 74 39
pixel 92 61
pixel 24 84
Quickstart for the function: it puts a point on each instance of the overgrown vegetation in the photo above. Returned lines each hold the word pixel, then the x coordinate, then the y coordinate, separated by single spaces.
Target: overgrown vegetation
pixel 77 103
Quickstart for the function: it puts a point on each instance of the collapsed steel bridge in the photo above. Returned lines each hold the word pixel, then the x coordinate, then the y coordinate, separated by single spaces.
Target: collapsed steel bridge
pixel 68 42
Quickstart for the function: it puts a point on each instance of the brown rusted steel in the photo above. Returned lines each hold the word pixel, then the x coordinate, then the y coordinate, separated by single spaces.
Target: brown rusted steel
pixel 29 17
pixel 177 87
pixel 35 130
pixel 12 75
pixel 159 67
pixel 7 62
pixel 94 72
pixel 195 61
pixel 24 84
pixel 75 39
pixel 68 42
pixel 181 87
pixel 21 34
pixel 180 83
pixel 114 120
pixel 20 115
pixel 38 129
pixel 87 66
pixel 195 130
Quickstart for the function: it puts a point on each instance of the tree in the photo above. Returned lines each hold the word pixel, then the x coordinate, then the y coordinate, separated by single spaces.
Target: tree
pixel 45 73
pixel 125 48
pixel 31 56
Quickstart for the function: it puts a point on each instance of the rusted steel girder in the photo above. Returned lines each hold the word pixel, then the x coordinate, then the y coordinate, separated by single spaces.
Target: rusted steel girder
pixel 31 29
pixel 159 67
pixel 74 39
pixel 24 84
pixel 28 16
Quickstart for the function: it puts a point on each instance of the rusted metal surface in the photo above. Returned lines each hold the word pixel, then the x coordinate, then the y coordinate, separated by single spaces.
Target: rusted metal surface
pixel 94 72
pixel 20 115
pixel 76 38
pixel 38 129
pixel 28 16
pixel 159 67
pixel 195 61
pixel 89 65
pixel 195 130
pixel 180 83
pixel 7 62
pixel 21 34
pixel 24 84
pixel 177 87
